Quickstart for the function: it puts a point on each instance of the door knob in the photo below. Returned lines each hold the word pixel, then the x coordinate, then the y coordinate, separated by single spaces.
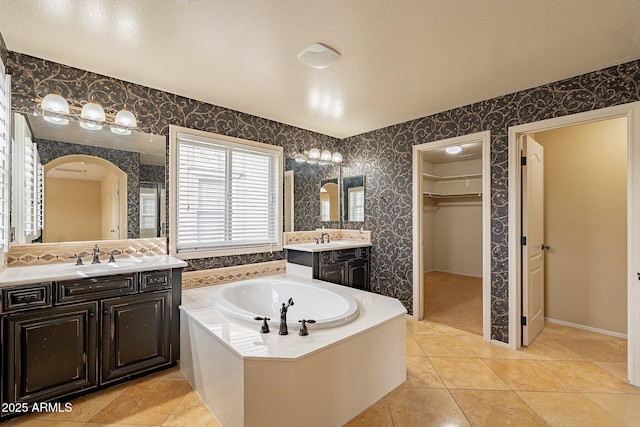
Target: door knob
pixel 545 247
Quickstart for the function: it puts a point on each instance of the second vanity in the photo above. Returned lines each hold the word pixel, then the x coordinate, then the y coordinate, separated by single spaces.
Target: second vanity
pixel 69 329
pixel 343 262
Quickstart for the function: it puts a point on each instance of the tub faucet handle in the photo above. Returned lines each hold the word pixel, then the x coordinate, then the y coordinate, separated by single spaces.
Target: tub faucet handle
pixel 303 326
pixel 265 326
pixel 79 259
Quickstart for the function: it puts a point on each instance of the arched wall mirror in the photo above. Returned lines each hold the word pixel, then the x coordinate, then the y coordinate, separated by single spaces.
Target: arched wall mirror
pixel 113 186
pixel 329 201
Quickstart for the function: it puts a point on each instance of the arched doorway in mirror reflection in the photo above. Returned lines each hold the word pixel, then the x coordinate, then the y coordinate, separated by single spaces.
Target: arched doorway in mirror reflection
pixel 85 198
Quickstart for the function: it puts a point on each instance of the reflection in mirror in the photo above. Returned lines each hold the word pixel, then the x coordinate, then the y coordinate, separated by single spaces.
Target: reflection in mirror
pixel 89 184
pixel 85 199
pixel 153 209
pixel 353 198
pixel 329 206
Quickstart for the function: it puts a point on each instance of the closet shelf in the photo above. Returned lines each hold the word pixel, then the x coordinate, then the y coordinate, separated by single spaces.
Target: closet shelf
pixel 431 177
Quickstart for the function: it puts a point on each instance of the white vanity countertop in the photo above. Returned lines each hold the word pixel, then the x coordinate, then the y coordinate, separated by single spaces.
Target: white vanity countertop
pixel 69 271
pixel 334 245
pixel 245 339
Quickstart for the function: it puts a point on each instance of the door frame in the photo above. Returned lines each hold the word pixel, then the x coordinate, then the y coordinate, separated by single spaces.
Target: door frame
pixel 418 259
pixel 632 112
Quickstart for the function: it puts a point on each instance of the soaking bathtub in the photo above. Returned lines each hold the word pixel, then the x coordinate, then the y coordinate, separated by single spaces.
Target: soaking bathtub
pixel 351 358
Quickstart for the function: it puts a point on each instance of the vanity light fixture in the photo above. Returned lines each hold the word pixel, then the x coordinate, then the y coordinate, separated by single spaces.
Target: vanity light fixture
pixel 91 116
pixel 125 120
pixel 314 155
pixel 55 109
pixel 454 149
pixel 319 55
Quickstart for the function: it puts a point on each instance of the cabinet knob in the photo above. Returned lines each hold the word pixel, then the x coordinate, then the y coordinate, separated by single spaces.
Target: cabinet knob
pixel 105 311
pixel 91 314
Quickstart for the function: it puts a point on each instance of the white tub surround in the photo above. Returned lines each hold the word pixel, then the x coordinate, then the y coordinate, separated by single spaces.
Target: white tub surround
pixel 71 271
pixel 324 379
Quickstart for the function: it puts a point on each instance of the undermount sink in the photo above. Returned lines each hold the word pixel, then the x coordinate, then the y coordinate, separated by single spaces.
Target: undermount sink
pixel 333 245
pixel 88 267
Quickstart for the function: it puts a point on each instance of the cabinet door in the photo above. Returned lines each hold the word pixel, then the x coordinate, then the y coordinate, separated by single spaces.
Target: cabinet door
pixel 357 272
pixel 135 334
pixel 50 352
pixel 333 273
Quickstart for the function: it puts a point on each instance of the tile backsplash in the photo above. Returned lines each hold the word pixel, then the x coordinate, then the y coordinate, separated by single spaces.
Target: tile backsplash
pixel 54 253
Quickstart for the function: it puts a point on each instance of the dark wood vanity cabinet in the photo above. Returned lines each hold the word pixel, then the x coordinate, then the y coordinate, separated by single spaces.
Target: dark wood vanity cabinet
pixel 50 352
pixel 348 267
pixel 135 334
pixel 62 338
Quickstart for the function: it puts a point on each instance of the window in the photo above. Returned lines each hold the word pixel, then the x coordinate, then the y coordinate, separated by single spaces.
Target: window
pixel 5 89
pixel 226 195
pixel 356 204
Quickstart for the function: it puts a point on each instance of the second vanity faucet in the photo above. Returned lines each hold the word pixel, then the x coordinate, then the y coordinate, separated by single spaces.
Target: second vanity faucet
pixel 96 255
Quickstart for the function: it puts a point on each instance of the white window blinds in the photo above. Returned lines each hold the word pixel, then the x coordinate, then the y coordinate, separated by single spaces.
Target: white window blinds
pixel 5 89
pixel 228 195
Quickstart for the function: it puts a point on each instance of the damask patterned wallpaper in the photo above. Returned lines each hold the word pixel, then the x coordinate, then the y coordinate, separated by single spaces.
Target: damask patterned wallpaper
pixel 383 155
pixel 152 173
pixel 33 78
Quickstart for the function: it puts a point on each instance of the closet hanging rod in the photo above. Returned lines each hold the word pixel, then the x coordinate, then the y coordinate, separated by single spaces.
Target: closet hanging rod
pixel 450 196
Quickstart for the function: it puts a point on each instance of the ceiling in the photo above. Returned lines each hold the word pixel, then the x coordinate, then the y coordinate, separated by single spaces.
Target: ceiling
pixel 400 59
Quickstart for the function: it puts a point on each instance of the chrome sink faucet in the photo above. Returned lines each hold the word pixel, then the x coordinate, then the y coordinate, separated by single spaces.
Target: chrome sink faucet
pixel 96 255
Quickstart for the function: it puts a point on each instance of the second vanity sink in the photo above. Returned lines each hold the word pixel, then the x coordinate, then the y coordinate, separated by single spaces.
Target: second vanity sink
pixel 333 245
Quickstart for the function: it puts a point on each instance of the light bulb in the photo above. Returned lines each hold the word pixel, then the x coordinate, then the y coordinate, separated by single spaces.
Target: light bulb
pixel 454 149
pixel 325 156
pixel 57 106
pixel 314 154
pixel 336 158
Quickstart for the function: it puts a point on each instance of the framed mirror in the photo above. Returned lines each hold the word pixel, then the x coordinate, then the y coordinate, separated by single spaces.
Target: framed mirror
pixel 74 184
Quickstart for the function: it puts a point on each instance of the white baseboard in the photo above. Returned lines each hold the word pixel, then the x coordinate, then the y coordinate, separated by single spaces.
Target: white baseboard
pixel 456 273
pixel 586 328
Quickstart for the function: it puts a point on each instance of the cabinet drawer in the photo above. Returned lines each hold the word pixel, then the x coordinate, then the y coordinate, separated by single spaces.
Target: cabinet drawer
pixel 154 280
pixel 96 288
pixel 26 297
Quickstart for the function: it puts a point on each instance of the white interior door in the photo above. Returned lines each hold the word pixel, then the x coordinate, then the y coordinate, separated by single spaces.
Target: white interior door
pixel 533 240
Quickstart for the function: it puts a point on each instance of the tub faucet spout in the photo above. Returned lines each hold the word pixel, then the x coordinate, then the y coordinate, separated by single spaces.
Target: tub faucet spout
pixel 283 317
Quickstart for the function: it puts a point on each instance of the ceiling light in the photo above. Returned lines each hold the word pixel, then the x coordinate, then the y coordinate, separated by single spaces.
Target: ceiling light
pixel 454 149
pixel 319 56
pixel 92 116
pixel 57 106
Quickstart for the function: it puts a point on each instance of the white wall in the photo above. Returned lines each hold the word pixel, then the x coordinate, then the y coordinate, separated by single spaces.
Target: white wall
pixel 585 224
pixel 452 227
pixel 458 236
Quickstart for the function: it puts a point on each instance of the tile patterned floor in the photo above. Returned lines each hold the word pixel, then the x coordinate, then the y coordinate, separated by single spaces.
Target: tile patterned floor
pixel 567 377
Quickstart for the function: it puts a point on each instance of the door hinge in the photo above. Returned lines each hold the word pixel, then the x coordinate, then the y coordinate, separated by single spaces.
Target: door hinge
pixel 523 321
pixel 523 240
pixel 523 161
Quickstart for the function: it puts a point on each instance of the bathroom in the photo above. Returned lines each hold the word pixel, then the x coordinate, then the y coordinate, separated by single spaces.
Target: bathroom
pixel 386 167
